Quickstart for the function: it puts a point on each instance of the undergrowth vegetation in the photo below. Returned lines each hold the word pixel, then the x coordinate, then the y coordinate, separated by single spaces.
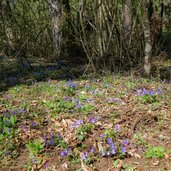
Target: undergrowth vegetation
pixel 84 124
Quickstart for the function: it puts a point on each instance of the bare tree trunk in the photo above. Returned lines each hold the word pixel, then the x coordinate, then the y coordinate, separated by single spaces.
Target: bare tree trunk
pixel 127 15
pixel 147 38
pixel 5 11
pixel 59 11
pixel 127 26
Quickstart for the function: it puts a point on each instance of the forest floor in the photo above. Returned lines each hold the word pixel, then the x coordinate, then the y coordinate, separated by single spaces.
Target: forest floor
pixel 110 123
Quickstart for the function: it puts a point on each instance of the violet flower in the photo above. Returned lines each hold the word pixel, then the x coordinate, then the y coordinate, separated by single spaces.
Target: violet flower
pixel 124 149
pixel 125 142
pixel 92 150
pixel 64 152
pixel 103 153
pixel 84 155
pixel 117 128
pixel 79 122
pixel 92 120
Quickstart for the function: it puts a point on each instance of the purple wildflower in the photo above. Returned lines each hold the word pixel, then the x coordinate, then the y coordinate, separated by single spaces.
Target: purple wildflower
pixel 125 142
pixel 45 137
pixel 117 128
pixel 34 124
pixel 93 92
pixel 101 127
pixel 90 101
pixel 71 84
pixel 142 92
pixel 92 120
pixel 51 142
pixel 113 151
pixel 92 150
pixel 102 135
pixel 84 155
pixel 64 153
pixel 8 116
pixel 7 153
pixel 159 91
pixel 71 111
pixel 103 152
pixel 47 143
pixel 8 122
pixel 45 165
pixel 151 92
pixel 33 160
pixel 67 98
pixel 109 141
pixel 59 136
pixel 51 135
pixel 79 122
pixel 87 85
pixel 24 128
pixel 8 130
pixel 78 106
pixel 124 149
pixel 112 146
pixel 22 111
pixel 14 112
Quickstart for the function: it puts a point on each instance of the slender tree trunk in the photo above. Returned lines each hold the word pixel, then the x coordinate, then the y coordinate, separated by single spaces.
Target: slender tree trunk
pixel 6 13
pixel 99 22
pixel 127 15
pixel 59 10
pixel 147 39
pixel 127 27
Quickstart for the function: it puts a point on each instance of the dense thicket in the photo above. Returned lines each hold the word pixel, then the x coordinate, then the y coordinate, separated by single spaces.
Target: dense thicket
pixel 110 34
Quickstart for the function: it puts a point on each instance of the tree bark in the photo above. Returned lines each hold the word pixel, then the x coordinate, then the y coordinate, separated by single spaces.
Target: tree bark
pixel 59 11
pixel 6 13
pixel 147 39
pixel 127 15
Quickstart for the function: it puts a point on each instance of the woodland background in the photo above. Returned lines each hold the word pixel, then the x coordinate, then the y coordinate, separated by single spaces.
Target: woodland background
pixel 107 36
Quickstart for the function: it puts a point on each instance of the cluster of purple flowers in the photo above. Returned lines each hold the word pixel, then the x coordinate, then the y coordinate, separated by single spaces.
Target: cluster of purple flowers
pixel 87 85
pixel 34 124
pixel 125 143
pixel 78 104
pixel 13 112
pixel 92 120
pixel 52 140
pixel 112 147
pixel 90 101
pixel 77 123
pixel 86 153
pixel 71 84
pixel 67 98
pixel 81 122
pixel 48 142
pixel 25 128
pixel 142 92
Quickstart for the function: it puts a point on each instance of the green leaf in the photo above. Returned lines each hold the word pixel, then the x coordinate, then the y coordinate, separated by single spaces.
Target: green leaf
pixel 155 152
pixel 13 119
pixel 115 163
